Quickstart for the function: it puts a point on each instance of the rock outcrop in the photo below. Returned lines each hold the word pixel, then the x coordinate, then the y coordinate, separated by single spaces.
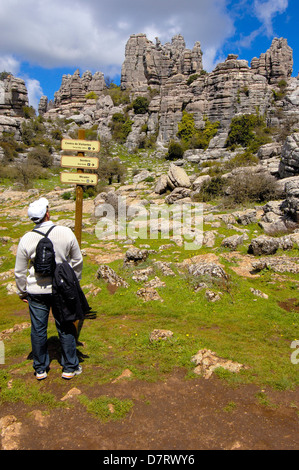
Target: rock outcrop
pixel 147 64
pixel 13 96
pixel 172 78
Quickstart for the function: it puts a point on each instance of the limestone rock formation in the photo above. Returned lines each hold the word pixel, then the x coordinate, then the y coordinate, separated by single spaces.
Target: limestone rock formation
pixel 276 64
pixel 289 165
pixel 13 96
pixel 147 64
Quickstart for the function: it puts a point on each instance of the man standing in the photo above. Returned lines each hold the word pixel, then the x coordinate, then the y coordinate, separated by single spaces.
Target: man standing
pixel 36 290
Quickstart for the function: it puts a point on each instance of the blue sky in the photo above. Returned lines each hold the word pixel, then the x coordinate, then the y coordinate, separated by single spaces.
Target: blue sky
pixel 40 40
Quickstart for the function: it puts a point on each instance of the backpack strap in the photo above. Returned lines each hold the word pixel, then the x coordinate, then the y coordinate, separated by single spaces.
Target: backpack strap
pixel 44 234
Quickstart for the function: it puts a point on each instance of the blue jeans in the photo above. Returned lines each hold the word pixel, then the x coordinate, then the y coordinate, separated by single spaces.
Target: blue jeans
pixel 39 308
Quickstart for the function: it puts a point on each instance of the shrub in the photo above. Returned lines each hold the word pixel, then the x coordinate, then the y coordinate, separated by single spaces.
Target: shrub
pixel 91 96
pixel 40 156
pixel 118 96
pixel 27 172
pixel 4 75
pixel 252 187
pixel 175 151
pixel 110 168
pixel 193 137
pixel 192 78
pixel 248 130
pixel 120 127
pixel 212 189
pixel 9 146
pixel 29 112
pixel 140 105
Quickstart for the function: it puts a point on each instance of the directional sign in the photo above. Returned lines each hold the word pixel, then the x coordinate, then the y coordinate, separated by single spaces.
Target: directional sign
pixel 87 179
pixel 79 162
pixel 80 145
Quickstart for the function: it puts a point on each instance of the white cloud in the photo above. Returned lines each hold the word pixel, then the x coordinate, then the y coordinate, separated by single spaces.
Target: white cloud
pixel 34 92
pixel 266 11
pixel 92 34
pixel 9 64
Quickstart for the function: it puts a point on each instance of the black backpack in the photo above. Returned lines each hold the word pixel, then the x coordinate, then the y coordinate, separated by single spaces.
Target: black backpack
pixel 44 262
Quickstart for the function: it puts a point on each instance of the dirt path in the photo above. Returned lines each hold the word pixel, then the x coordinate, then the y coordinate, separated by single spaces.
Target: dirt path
pixel 174 414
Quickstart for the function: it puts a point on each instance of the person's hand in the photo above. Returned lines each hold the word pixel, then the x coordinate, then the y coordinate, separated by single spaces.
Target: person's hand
pixel 25 300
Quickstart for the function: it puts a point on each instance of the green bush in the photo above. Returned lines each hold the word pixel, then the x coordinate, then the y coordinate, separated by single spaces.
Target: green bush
pixel 40 156
pixel 248 130
pixel 192 137
pixel 212 189
pixel 118 96
pixel 252 187
pixel 10 146
pixel 91 96
pixel 175 151
pixel 109 169
pixel 140 105
pixel 192 78
pixel 120 127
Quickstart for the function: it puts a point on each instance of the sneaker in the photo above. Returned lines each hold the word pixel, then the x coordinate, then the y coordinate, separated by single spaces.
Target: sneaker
pixel 41 375
pixel 70 375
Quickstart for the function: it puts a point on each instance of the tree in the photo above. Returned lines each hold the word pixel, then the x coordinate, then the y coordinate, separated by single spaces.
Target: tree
pixel 140 105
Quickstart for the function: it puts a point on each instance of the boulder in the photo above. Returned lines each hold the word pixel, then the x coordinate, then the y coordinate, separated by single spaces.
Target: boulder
pixel 210 270
pixel 177 177
pixel 263 245
pixel 161 185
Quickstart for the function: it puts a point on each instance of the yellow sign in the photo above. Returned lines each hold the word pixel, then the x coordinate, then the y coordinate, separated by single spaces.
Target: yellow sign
pixel 79 162
pixel 80 145
pixel 87 179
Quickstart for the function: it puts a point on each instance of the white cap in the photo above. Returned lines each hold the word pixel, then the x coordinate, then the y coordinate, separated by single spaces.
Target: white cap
pixel 37 210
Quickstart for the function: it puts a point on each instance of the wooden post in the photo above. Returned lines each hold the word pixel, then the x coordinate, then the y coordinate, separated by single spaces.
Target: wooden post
pixel 79 196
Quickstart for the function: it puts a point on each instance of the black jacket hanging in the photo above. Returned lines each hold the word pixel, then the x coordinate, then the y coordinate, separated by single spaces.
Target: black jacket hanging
pixel 69 301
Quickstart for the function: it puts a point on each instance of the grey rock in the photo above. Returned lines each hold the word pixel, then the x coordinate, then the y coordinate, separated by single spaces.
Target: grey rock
pixel 210 270
pixel 263 245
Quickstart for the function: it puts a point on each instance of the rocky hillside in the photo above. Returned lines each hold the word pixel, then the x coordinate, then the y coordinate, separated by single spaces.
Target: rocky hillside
pixel 165 95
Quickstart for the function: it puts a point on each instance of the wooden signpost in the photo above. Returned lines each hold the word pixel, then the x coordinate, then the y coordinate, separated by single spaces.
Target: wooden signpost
pixel 80 178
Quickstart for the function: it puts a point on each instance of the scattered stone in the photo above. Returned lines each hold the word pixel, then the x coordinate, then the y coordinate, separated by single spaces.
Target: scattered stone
pixel 148 294
pixel 209 239
pixel 10 432
pixel 92 290
pixel 6 333
pixel 135 255
pixel 164 267
pixel 126 374
pixel 259 293
pixel 212 296
pixel 178 194
pixel 71 394
pixel 141 275
pixel 234 241
pixel 141 176
pixel 206 362
pixel 110 276
pixel 155 283
pixel 279 264
pixel 158 334
pixel 211 270
pixel 200 286
pixel 263 245
pixel 246 217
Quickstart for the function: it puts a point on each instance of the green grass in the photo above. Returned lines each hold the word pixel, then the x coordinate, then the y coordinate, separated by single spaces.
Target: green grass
pixel 253 331
pixel 107 409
